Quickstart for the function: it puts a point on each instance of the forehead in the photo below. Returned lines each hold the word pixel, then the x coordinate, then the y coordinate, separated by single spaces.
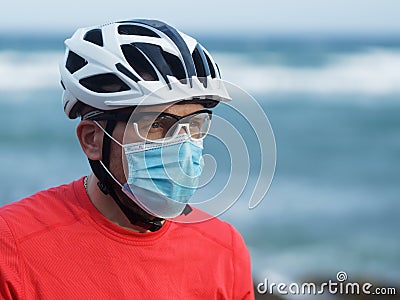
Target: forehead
pixel 176 109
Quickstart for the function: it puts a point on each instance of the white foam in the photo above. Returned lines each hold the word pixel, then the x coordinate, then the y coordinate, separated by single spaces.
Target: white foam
pixel 374 72
pixel 23 71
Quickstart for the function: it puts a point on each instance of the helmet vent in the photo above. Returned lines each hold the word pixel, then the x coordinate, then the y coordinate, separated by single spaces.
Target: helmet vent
pixel 126 72
pixel 201 65
pixel 198 63
pixel 139 62
pixel 136 30
pixel 94 36
pixel 104 83
pixel 175 65
pixel 210 65
pixel 74 62
pixel 154 54
pixel 219 73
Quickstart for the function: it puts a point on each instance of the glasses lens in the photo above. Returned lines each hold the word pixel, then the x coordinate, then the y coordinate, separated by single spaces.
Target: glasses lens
pixel 154 126
pixel 199 124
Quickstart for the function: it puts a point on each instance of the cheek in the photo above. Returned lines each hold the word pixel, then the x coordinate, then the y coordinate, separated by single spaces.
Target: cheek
pixel 130 135
pixel 118 163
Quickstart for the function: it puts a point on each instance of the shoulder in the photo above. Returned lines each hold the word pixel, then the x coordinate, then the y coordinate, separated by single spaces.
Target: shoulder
pixel 39 211
pixel 219 247
pixel 212 229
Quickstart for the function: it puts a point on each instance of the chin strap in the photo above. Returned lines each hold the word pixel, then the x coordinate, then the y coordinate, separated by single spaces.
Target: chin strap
pixel 134 218
pixel 137 219
pixel 105 184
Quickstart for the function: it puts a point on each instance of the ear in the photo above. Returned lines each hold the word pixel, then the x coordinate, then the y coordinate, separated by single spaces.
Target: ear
pixel 91 139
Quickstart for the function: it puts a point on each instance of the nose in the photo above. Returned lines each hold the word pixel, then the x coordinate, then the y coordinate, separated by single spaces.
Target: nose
pixel 184 128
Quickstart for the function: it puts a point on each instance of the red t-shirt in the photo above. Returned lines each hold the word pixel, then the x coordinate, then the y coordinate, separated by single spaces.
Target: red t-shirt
pixel 57 245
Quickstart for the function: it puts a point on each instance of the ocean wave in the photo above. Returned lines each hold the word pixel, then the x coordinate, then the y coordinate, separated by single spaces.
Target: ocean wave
pixel 24 72
pixel 374 72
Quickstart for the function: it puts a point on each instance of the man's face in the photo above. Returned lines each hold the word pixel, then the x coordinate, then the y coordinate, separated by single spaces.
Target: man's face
pixel 124 133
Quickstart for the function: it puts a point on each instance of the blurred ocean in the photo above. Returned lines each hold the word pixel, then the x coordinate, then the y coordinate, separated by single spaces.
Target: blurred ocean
pixel 334 106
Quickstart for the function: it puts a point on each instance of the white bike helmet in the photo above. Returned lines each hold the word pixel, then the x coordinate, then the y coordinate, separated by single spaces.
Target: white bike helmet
pixel 121 64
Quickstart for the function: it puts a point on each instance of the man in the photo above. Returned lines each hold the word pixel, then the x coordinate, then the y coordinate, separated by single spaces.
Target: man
pixel 143 92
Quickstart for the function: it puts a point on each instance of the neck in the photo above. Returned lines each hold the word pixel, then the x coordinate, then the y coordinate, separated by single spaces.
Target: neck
pixel 106 205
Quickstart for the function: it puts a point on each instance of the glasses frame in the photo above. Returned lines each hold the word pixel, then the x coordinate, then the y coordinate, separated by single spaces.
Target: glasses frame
pixel 125 117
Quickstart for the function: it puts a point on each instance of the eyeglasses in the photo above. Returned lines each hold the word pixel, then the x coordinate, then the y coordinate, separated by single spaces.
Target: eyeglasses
pixel 162 127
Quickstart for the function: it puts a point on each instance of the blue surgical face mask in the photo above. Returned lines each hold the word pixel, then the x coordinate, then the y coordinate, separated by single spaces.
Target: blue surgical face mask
pixel 162 177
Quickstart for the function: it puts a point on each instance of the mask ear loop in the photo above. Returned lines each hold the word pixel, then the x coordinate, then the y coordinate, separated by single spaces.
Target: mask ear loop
pixel 109 135
pixel 97 168
pixel 101 162
pixel 109 173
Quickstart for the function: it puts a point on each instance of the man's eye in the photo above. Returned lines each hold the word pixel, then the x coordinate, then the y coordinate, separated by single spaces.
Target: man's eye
pixel 149 123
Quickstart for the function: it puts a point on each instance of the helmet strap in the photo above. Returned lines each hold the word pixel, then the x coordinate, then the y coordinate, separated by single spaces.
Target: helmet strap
pixel 105 184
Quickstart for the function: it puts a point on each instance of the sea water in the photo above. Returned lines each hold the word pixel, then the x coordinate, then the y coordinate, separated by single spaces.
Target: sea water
pixel 334 108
